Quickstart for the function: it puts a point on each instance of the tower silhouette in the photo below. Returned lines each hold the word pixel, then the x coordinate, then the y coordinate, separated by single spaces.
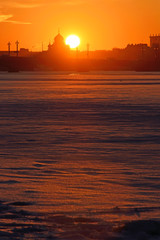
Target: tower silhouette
pixel 9 48
pixel 17 45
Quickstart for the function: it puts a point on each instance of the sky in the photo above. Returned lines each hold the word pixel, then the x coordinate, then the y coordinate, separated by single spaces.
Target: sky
pixel 104 24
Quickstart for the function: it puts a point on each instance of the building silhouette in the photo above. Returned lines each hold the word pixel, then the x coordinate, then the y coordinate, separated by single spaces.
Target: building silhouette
pixel 155 41
pixel 58 48
pixel 59 57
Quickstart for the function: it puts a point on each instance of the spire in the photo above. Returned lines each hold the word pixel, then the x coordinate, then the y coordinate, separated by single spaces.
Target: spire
pixel 17 44
pixel 9 48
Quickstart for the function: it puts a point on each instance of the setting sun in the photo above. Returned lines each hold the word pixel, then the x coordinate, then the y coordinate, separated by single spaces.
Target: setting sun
pixel 73 41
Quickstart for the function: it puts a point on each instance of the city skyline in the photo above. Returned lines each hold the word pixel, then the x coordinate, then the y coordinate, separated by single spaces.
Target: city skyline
pixel 116 22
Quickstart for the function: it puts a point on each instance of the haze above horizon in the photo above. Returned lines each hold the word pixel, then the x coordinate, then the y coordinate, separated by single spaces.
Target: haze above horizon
pixel 104 24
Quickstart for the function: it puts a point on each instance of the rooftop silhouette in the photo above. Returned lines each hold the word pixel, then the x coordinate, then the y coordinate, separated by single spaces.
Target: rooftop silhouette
pixel 59 56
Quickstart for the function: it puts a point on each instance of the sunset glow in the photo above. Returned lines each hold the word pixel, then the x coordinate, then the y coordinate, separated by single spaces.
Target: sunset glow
pixel 80 119
pixel 103 24
pixel 73 41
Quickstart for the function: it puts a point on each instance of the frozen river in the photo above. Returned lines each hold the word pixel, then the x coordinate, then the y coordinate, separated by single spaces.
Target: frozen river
pixel 80 156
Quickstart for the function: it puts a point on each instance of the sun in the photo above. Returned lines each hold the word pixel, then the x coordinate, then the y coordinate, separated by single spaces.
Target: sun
pixel 73 41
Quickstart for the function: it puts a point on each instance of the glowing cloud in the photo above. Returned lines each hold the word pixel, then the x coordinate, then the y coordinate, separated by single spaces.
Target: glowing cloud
pixel 7 19
pixel 4 18
pixel 19 4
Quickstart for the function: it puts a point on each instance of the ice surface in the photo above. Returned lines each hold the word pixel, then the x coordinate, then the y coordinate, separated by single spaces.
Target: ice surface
pixel 80 156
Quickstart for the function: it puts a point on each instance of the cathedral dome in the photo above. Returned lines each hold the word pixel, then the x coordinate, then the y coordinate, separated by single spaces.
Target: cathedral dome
pixel 58 49
pixel 59 38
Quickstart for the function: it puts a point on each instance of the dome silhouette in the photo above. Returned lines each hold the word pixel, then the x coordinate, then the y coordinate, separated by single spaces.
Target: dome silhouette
pixel 59 38
pixel 58 48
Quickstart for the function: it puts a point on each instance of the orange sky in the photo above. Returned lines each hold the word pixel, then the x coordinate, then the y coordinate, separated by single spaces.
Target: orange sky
pixel 105 24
